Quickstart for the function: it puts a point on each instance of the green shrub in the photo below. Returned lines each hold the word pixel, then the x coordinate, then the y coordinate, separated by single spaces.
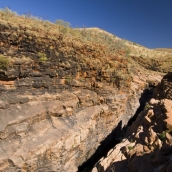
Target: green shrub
pixel 7 13
pixel 68 80
pixel 42 57
pixel 130 147
pixel 62 23
pixel 147 106
pixel 127 52
pixel 162 135
pixel 4 62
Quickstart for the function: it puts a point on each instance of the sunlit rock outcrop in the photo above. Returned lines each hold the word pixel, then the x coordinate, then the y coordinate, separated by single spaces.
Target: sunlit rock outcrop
pixel 147 145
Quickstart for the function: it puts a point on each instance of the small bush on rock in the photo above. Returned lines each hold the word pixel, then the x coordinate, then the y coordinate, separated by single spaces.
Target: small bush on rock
pixel 42 57
pixel 4 62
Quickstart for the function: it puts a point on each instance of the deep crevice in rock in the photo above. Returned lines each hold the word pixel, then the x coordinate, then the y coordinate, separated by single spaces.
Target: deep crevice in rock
pixel 145 97
pixel 113 138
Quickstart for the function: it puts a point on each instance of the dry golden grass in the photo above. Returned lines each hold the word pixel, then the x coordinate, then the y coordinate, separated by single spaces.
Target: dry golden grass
pixel 168 50
pixel 93 46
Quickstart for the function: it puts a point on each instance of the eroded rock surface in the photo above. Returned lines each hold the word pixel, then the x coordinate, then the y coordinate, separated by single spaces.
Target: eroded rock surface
pixel 61 95
pixel 147 145
pixel 58 131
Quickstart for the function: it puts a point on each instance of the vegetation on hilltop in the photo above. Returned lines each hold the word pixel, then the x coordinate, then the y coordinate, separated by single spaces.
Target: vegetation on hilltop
pixel 85 47
pixel 84 35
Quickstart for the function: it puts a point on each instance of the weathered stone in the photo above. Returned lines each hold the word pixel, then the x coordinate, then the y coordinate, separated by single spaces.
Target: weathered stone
pixel 150 149
pixel 55 111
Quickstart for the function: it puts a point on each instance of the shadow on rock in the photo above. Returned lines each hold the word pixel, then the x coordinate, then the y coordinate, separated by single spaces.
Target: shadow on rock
pixel 107 144
pixel 158 161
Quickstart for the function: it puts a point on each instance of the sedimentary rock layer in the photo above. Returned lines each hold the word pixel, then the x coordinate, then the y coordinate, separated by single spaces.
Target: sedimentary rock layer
pixel 60 97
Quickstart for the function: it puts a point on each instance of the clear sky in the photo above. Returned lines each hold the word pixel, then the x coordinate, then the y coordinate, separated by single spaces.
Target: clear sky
pixel 147 22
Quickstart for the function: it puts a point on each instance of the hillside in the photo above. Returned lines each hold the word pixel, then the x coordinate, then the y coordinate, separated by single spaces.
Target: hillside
pixel 64 90
pixel 169 50
pixel 149 58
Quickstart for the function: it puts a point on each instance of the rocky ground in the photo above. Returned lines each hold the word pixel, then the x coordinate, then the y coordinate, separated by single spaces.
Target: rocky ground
pixel 62 93
pixel 147 145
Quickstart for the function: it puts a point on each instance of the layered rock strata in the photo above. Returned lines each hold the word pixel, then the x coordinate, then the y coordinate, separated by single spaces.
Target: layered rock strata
pixel 42 131
pixel 60 97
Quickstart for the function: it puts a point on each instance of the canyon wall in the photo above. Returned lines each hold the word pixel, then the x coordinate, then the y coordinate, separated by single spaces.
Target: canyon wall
pixel 147 145
pixel 60 98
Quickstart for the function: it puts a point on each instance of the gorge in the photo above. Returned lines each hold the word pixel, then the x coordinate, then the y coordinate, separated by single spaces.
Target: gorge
pixel 63 91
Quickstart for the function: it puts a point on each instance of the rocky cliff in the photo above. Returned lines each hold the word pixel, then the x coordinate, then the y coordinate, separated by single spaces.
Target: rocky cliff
pixel 61 93
pixel 147 145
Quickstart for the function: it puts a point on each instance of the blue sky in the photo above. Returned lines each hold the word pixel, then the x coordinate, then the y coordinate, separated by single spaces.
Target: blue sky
pixel 147 22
